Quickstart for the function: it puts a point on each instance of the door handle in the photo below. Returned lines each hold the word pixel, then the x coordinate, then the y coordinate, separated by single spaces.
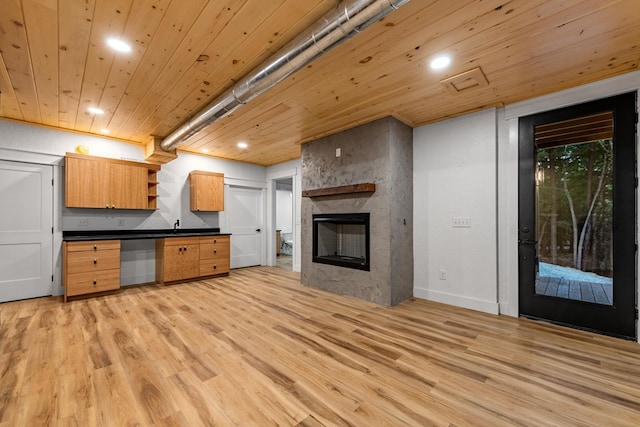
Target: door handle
pixel 528 242
pixel 257 230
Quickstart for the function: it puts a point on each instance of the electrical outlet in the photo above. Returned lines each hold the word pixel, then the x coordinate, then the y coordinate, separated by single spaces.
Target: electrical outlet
pixel 461 222
pixel 443 274
pixel 338 152
pixel 83 222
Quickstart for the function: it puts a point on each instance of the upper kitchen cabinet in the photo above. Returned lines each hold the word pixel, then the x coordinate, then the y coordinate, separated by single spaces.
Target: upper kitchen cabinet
pixel 98 182
pixel 207 191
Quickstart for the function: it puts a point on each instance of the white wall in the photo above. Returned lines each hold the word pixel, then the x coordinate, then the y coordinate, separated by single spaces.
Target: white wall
pixel 455 176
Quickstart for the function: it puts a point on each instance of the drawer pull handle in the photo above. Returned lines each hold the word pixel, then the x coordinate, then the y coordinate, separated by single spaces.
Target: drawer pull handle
pixel 95 247
pixel 107 206
pixel 215 251
pixel 185 248
pixel 95 282
pixel 179 249
pixel 214 266
pixel 113 206
pixel 215 241
pixel 95 261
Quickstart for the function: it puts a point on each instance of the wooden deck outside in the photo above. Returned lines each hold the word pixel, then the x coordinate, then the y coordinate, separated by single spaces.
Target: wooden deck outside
pixel 576 290
pixel 259 349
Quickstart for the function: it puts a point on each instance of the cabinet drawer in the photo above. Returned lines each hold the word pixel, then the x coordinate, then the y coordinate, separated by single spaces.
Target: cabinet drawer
pixel 98 281
pixel 210 267
pixel 181 241
pixel 95 245
pixel 213 251
pixel 219 240
pixel 85 262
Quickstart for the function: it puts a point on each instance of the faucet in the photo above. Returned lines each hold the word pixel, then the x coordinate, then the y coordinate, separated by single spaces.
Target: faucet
pixel 176 225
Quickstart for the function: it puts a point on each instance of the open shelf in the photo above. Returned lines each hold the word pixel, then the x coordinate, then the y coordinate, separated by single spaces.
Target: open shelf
pixel 152 186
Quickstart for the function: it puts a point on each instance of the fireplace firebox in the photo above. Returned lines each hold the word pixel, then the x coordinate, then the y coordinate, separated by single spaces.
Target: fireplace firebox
pixel 342 240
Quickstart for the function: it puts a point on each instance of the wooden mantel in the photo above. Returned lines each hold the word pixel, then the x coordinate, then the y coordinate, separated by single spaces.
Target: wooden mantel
pixel 366 187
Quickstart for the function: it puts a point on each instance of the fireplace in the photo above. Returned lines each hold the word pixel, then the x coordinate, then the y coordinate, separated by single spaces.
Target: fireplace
pixel 377 179
pixel 342 240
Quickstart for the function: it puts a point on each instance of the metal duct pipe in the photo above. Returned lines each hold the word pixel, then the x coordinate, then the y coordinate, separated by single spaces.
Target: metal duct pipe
pixel 349 18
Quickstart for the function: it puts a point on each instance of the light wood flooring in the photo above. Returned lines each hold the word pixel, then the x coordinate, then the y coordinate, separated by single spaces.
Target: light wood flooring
pixel 284 261
pixel 258 349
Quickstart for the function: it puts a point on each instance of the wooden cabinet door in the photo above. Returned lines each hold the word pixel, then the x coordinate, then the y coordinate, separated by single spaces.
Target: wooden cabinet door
pixel 180 259
pixel 86 183
pixel 128 186
pixel 207 191
pixel 173 265
pixel 99 182
pixel 191 261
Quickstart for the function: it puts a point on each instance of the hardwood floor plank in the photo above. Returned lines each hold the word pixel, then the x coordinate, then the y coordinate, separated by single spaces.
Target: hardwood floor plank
pixel 257 348
pixel 193 399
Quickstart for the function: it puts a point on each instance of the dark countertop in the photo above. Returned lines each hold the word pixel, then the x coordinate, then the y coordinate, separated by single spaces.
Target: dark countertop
pixel 88 235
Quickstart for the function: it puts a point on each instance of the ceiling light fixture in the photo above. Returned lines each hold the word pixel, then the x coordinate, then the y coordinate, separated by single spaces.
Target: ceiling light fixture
pixel 119 45
pixel 204 150
pixel 94 110
pixel 105 131
pixel 440 62
pixel 242 145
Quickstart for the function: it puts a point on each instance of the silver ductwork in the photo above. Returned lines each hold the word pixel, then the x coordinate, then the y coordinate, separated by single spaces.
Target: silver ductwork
pixel 349 18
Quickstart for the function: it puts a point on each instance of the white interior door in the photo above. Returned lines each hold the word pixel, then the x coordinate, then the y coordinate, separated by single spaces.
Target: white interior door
pixel 26 237
pixel 245 223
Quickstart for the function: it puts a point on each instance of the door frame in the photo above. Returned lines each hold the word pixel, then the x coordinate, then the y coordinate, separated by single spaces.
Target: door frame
pixel 272 177
pixel 253 185
pixel 507 123
pixel 54 162
pixel 57 162
pixel 618 319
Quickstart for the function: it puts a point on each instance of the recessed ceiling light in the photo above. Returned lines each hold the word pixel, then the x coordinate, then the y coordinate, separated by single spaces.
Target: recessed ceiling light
pixel 119 45
pixel 440 62
pixel 204 150
pixel 105 131
pixel 242 145
pixel 94 110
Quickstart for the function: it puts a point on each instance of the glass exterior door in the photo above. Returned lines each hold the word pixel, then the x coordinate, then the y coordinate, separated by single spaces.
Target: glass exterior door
pixel 577 216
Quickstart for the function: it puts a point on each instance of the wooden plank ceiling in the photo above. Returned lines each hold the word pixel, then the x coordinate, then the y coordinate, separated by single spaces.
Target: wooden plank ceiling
pixel 54 64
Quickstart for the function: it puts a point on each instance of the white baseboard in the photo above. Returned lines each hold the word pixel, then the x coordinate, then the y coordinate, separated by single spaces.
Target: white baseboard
pixel 490 307
pixel 508 309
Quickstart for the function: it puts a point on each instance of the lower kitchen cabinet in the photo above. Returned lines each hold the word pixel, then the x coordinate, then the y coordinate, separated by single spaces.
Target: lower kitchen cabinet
pixel 185 258
pixel 177 258
pixel 90 267
pixel 214 255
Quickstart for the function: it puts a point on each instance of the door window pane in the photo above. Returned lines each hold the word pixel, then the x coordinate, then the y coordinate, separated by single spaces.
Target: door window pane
pixel 574 202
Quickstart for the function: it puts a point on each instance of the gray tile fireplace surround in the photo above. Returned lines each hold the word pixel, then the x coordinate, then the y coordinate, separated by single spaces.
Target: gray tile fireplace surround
pixel 380 152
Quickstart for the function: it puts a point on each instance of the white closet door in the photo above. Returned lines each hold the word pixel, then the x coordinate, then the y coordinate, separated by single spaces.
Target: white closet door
pixel 245 212
pixel 26 237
